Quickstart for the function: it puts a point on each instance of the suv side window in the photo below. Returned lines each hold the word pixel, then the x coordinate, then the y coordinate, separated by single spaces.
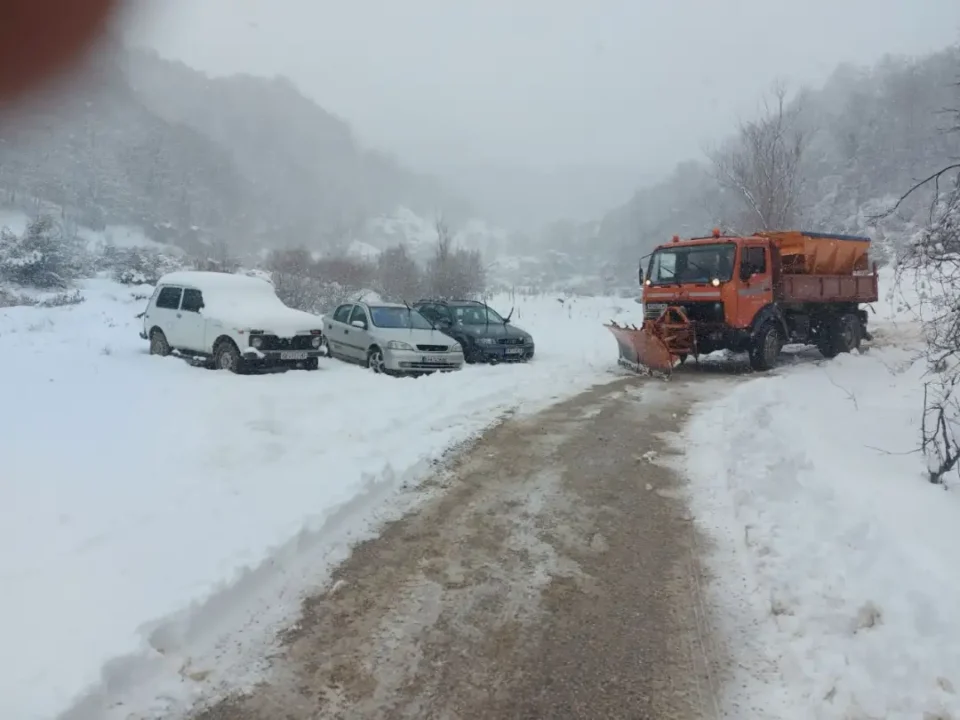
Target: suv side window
pixel 358 314
pixel 169 298
pixel 192 300
pixel 342 314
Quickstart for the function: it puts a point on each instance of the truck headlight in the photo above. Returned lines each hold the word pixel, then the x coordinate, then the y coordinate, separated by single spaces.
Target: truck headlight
pixel 256 341
pixel 397 345
pixel 715 282
pixel 316 341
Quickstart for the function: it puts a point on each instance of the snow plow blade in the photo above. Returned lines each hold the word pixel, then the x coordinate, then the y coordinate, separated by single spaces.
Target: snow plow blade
pixel 641 347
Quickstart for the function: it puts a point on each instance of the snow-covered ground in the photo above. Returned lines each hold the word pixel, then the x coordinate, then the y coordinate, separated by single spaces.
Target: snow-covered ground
pixel 836 560
pixel 147 506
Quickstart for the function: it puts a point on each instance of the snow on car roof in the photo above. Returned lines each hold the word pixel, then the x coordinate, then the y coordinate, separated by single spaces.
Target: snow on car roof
pixel 213 281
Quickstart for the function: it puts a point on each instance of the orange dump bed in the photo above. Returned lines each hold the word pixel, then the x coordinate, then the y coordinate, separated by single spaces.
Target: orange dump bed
pixel 807 253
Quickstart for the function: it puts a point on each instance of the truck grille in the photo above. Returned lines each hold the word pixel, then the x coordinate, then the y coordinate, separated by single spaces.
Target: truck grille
pixel 700 311
pixel 432 348
pixel 297 342
pixel 651 311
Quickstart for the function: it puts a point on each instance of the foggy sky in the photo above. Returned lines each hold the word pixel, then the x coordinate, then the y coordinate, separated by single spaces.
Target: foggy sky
pixel 541 83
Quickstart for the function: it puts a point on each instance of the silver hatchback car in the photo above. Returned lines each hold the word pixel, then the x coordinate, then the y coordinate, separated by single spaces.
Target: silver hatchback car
pixel 389 338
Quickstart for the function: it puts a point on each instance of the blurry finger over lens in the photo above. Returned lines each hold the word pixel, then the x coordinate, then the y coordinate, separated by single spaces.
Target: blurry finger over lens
pixel 40 38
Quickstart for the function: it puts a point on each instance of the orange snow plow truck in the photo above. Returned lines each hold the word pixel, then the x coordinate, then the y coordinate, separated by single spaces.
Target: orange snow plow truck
pixel 750 294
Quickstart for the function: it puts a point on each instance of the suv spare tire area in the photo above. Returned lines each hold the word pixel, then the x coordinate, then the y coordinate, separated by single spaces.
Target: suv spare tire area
pixel 158 343
pixel 226 356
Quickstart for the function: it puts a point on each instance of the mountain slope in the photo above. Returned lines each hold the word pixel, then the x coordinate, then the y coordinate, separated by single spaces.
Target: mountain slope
pixel 305 162
pixel 99 154
pixel 874 132
pixel 239 162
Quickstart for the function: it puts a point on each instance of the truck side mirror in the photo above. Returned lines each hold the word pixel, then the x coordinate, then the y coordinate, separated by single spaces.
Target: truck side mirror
pixel 640 273
pixel 746 271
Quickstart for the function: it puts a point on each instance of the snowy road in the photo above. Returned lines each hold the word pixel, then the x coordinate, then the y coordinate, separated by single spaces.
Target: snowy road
pixel 151 511
pixel 556 576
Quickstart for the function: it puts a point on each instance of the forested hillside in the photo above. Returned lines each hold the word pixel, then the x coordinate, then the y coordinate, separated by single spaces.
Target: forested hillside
pixel 240 162
pixel 866 137
pixel 306 165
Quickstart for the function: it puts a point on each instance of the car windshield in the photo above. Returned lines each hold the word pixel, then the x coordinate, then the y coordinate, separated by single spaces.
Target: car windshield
pixel 474 315
pixel 692 263
pixel 399 317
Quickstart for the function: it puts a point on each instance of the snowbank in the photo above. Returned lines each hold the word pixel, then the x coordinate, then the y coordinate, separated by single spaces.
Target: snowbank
pixel 836 559
pixel 145 503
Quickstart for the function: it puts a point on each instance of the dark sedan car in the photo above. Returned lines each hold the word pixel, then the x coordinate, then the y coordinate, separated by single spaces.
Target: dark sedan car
pixel 485 335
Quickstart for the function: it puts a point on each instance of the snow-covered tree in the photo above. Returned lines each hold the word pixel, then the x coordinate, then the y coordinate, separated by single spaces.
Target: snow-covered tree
pixel 41 257
pixel 931 262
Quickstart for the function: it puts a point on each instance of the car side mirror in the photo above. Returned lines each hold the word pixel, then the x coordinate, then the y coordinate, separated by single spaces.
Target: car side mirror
pixel 359 324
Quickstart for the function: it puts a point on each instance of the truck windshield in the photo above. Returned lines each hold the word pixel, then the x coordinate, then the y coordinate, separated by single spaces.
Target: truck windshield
pixel 692 264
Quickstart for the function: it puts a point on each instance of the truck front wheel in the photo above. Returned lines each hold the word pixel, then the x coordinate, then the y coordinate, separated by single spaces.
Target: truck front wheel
pixel 839 334
pixel 766 348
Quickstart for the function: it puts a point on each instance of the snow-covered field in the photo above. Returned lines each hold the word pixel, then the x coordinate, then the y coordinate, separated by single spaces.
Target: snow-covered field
pixel 146 505
pixel 836 559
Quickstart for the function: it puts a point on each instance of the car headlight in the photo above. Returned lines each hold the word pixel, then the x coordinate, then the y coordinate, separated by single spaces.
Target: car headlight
pixel 397 345
pixel 316 341
pixel 456 348
pixel 484 341
pixel 256 341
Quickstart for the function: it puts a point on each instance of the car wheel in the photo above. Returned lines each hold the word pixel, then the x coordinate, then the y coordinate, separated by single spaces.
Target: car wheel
pixel 227 357
pixel 159 344
pixel 375 361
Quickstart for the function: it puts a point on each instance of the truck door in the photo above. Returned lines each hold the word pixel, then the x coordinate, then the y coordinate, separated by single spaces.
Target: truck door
pixel 756 282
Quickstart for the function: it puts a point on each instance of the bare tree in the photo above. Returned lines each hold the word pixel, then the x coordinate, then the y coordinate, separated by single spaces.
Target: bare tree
pixel 454 272
pixel 398 274
pixel 762 167
pixel 930 261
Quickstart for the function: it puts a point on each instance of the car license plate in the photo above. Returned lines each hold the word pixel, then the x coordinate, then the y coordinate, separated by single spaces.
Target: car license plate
pixel 293 355
pixel 514 351
pixel 433 359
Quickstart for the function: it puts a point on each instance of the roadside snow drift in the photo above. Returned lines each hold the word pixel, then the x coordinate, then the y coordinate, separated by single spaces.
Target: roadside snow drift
pixel 135 488
pixel 836 558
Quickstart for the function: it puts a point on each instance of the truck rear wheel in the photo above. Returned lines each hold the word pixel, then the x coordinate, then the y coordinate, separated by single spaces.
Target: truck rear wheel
pixel 840 334
pixel 766 348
